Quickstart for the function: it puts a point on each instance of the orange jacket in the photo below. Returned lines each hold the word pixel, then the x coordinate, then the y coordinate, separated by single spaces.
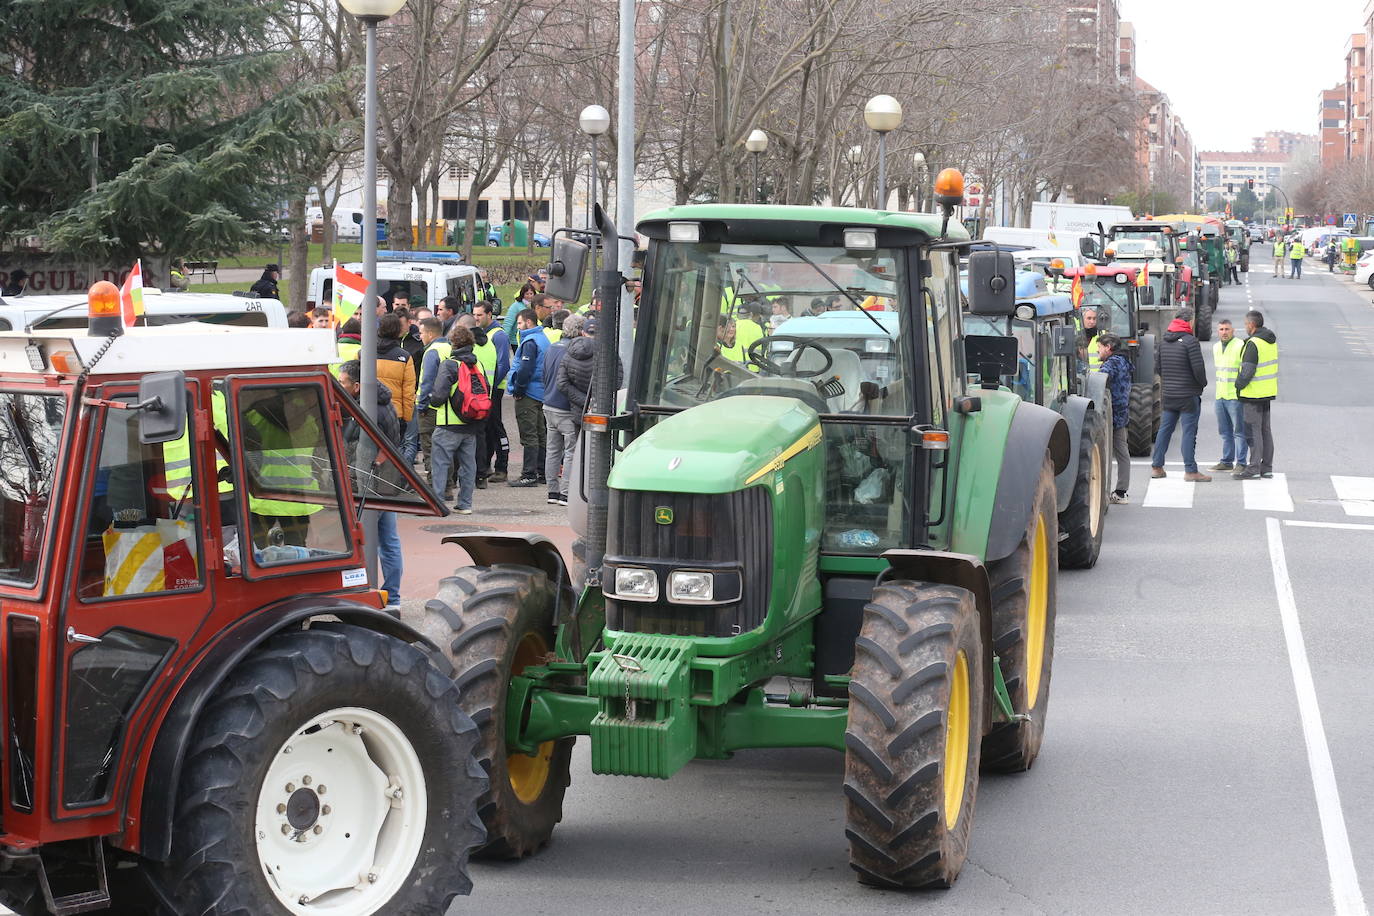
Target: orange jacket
pixel 396 370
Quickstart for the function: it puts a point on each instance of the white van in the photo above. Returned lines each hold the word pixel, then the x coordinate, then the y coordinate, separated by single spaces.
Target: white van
pixel 69 310
pixel 427 276
pixel 348 222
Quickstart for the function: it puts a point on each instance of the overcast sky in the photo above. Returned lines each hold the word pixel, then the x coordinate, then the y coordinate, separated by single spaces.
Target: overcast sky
pixel 1283 53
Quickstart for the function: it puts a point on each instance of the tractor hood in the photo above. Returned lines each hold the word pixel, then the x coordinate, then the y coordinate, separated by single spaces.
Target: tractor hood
pixel 719 447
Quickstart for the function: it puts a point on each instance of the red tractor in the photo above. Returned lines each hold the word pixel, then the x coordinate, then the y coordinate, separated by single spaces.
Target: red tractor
pixel 206 707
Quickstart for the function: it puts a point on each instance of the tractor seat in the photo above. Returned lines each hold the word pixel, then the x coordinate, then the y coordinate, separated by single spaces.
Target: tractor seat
pixel 847 369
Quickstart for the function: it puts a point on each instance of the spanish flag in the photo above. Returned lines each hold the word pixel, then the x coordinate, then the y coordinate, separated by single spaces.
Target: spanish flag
pixel 1143 278
pixel 131 295
pixel 1076 292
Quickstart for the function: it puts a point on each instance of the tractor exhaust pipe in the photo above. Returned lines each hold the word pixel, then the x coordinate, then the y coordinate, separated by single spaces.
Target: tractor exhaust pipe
pixel 607 282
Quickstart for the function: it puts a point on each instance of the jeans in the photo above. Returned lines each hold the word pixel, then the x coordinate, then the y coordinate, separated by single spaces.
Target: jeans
pixel 454 445
pixel 493 444
pixel 1296 265
pixel 1259 436
pixel 1121 451
pixel 529 418
pixel 389 556
pixel 1167 422
pixel 1231 428
pixel 562 440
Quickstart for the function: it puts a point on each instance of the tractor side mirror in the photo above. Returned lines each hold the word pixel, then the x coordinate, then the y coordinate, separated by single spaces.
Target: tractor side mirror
pixel 1065 341
pixel 1087 247
pixel 566 269
pixel 1147 296
pixel 991 283
pixel 161 407
pixel 990 358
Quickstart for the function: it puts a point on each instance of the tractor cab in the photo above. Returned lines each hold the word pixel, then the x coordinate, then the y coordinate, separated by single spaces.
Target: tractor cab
pixel 179 505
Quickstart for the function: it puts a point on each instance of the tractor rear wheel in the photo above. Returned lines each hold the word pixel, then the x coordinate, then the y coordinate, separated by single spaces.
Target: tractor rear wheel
pixel 912 742
pixel 1202 319
pixel 1140 424
pixel 1082 521
pixel 331 772
pixel 493 622
pixel 1023 611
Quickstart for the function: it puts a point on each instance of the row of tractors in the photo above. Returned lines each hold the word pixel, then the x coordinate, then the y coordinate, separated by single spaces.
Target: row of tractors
pixel 844 532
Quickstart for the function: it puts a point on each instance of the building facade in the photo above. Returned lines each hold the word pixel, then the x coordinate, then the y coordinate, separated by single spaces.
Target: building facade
pixel 1223 169
pixel 1356 99
pixel 1331 115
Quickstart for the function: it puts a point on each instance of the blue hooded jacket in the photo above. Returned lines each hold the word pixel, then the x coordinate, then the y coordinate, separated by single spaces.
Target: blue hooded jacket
pixel 527 371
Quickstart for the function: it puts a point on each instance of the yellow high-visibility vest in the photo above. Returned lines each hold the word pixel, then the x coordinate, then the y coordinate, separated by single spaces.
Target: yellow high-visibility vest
pixel 1265 383
pixel 1227 359
pixel 444 349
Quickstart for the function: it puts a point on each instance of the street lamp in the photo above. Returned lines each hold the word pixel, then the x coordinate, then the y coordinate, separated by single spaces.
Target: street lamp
pixel 370 12
pixel 920 159
pixel 593 121
pixel 855 155
pixel 757 143
pixel 882 114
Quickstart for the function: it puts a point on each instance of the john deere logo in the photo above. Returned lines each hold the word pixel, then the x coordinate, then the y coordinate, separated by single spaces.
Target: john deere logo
pixel 663 515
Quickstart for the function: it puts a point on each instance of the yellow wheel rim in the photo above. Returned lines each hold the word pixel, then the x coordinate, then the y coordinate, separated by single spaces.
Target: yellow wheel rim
pixel 529 774
pixel 1037 609
pixel 956 741
pixel 1095 493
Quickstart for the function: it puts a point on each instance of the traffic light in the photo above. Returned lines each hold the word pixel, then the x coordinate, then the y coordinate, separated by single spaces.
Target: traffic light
pixel 1250 183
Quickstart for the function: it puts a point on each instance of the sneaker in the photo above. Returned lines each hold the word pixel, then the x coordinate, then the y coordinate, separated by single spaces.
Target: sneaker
pixel 461 511
pixel 543 481
pixel 480 483
pixel 1223 466
pixel 524 482
pixel 553 499
pixel 1246 474
pixel 562 500
pixel 1197 477
pixel 1118 499
pixel 1157 472
pixel 498 477
pixel 1267 475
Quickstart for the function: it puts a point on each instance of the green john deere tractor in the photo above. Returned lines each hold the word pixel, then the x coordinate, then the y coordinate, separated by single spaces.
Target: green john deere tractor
pixel 788 540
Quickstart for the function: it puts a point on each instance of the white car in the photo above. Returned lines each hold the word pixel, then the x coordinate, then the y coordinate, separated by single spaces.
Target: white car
pixel 1364 268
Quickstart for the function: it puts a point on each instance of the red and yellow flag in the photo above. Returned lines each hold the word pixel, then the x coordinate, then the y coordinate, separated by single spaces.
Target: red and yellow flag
pixel 1143 278
pixel 131 295
pixel 1076 292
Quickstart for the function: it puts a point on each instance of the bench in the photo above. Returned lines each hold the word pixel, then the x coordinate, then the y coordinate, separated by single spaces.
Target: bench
pixel 203 268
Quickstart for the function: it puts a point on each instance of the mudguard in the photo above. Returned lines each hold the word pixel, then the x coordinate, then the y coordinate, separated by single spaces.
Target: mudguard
pixel 1075 413
pixel 515 547
pixel 169 748
pixel 1034 430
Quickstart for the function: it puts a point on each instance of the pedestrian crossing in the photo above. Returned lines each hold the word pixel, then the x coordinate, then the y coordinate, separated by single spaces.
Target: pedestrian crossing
pixel 1354 495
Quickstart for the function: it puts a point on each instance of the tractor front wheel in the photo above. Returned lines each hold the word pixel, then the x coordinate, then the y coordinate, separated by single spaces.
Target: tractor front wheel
pixel 912 742
pixel 1023 611
pixel 494 622
pixel 332 772
pixel 1082 522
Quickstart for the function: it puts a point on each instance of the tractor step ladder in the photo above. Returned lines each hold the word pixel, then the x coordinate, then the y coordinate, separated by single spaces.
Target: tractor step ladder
pixel 82 901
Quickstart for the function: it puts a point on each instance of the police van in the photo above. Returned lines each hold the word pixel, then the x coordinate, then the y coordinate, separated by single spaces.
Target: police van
pixel 69 310
pixel 426 276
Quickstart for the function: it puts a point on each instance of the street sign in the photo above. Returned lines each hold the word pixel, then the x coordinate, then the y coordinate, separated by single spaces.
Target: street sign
pixel 1349 220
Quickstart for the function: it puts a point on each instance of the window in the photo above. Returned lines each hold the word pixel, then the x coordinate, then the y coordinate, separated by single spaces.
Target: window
pixel 293 497
pixel 459 172
pixel 30 436
pixel 944 364
pixel 522 209
pixel 142 536
pixel 452 208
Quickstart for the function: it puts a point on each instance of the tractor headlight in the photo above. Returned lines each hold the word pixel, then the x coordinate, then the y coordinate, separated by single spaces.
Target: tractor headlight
pixel 636 584
pixel 689 586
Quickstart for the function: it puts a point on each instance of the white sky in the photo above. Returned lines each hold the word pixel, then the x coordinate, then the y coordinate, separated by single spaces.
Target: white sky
pixel 1274 57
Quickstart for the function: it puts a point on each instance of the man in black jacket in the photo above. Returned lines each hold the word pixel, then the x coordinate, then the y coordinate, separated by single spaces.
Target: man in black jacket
pixel 1257 385
pixel 1183 375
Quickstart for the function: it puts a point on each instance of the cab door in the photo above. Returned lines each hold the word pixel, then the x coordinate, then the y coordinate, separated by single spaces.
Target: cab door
pixel 136 593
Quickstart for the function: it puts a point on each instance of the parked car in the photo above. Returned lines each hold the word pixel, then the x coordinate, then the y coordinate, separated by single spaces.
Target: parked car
pixel 1364 269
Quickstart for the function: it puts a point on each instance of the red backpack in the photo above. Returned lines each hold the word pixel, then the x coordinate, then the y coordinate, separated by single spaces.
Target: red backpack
pixel 471 398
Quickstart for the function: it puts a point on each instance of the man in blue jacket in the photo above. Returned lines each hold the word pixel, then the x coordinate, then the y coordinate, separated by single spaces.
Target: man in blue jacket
pixel 496 447
pixel 527 387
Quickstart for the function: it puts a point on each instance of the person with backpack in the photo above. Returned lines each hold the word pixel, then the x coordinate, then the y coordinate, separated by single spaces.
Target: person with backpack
pixel 459 418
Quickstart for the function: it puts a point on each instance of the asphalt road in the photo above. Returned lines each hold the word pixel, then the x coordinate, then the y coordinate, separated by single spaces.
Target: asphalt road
pixel 1209 738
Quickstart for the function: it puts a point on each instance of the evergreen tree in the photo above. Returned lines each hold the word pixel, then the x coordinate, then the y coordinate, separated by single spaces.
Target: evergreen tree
pixel 146 128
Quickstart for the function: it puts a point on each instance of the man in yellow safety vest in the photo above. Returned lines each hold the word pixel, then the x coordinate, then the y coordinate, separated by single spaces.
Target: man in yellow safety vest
pixel 1230 420
pixel 1257 385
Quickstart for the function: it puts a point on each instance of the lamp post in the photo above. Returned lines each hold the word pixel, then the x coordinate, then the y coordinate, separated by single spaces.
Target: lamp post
pixel 882 114
pixel 920 159
pixel 370 13
pixel 855 155
pixel 593 121
pixel 757 144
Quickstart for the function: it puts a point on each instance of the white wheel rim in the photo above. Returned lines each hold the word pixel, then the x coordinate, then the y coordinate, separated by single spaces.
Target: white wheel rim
pixel 341 814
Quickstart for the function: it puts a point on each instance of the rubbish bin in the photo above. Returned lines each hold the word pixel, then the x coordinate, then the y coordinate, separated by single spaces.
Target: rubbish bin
pixel 317 232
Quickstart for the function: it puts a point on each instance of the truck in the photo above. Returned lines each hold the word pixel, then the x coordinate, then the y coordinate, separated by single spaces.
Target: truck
pixel 207 708
pixel 426 276
pixel 1238 233
pixel 1077 218
pixel 843 544
pixel 1051 372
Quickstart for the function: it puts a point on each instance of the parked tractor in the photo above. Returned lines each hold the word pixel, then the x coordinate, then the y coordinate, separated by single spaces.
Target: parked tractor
pixel 207 708
pixel 1115 291
pixel 1236 232
pixel 825 541
pixel 1051 372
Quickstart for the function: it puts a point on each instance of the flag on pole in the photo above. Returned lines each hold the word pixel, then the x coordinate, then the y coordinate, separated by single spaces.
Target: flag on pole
pixel 349 290
pixel 1076 292
pixel 131 295
pixel 1143 278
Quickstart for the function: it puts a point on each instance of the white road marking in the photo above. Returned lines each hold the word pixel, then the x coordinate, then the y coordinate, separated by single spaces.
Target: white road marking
pixel 1340 863
pixel 1356 494
pixel 1269 495
pixel 1339 526
pixel 1169 493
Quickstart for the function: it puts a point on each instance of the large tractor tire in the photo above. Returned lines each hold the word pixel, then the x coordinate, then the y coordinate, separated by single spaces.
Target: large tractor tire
pixel 1082 521
pixel 912 742
pixel 1023 612
pixel 1202 319
pixel 493 622
pixel 1141 423
pixel 333 770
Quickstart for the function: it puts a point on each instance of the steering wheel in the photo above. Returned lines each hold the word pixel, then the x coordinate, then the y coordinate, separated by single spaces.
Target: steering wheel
pixel 788 367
